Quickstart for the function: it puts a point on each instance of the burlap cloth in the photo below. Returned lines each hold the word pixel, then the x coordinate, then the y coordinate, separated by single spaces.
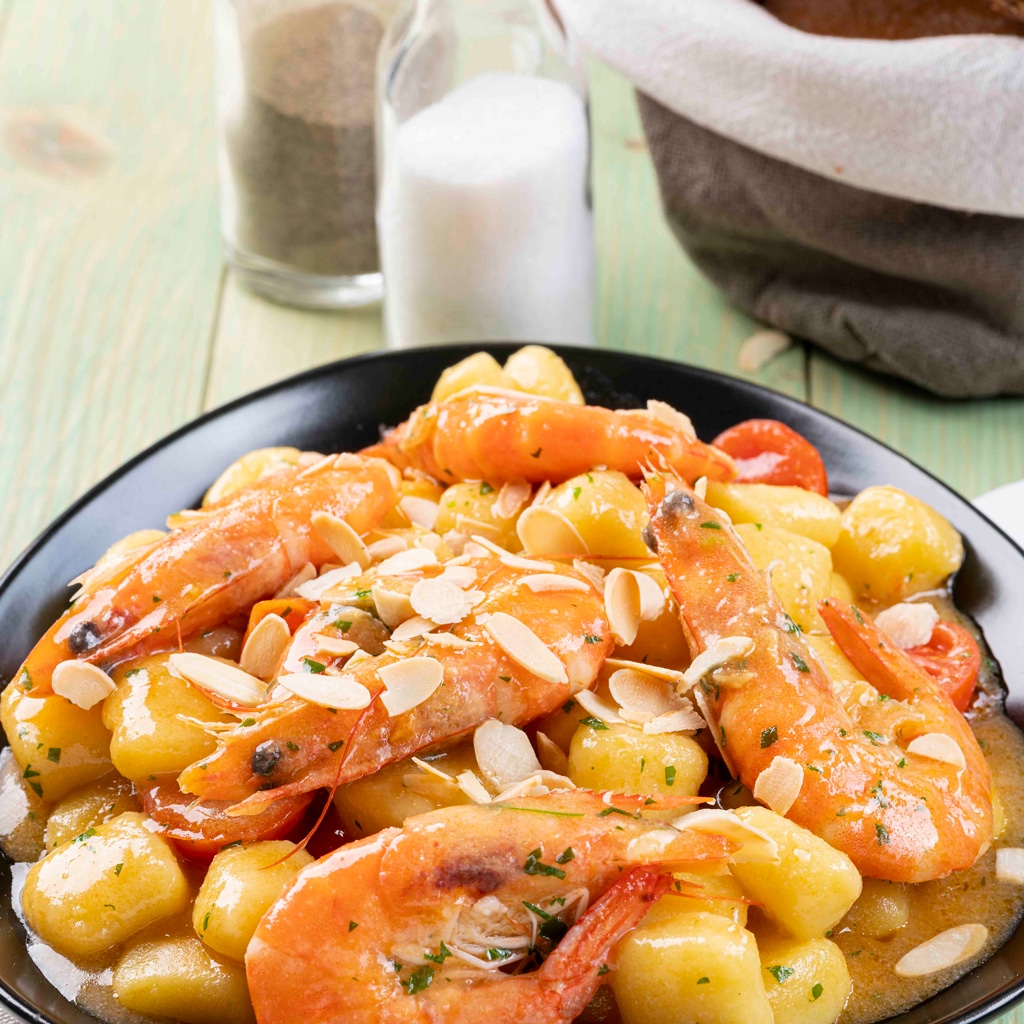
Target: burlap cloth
pixel 865 195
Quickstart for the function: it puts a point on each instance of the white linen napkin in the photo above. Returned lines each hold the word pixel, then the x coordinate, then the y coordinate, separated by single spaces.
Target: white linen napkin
pixel 934 120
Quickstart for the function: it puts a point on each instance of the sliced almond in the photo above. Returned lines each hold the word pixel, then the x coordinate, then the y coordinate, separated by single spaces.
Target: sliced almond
pixel 511 498
pixel 538 784
pixel 412 628
pixel 187 517
pixel 503 753
pixel 219 677
pixel 908 625
pixel 462 576
pixel 83 684
pixel 715 729
pixel 939 747
pixel 778 786
pixel 265 646
pixel 552 582
pixel 670 675
pixel 421 511
pixel 433 788
pixel 393 606
pixel 451 640
pixel 440 601
pixel 407 561
pixel 673 418
pixel 341 539
pixel 344 692
pixel 551 755
pixel 304 575
pixel 761 348
pixel 722 652
pixel 945 950
pixel 348 460
pixel 652 597
pixel 592 572
pixel 1010 864
pixel 598 707
pixel 682 720
pixel 335 646
pixel 525 648
pixel 700 487
pixel 314 590
pixel 408 683
pixel 638 691
pixel 471 549
pixel 545 531
pixel 490 547
pixel 756 847
pixel 622 605
pixel 472 527
pixel 386 547
pixel 427 767
pixel 317 465
pixel 473 788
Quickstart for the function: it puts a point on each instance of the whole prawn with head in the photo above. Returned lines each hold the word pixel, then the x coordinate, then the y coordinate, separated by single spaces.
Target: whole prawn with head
pixel 909 806
pixel 421 924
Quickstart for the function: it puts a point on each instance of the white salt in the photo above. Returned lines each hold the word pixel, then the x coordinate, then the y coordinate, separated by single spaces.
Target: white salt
pixel 485 228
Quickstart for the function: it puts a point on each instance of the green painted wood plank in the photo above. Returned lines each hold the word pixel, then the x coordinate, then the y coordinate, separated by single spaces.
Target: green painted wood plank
pixel 109 268
pixel 972 446
pixel 650 297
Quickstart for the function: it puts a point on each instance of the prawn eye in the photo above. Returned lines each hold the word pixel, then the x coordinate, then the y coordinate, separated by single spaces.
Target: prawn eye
pixel 678 503
pixel 265 757
pixel 83 637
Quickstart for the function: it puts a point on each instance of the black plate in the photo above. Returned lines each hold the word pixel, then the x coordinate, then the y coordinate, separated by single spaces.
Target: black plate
pixel 342 407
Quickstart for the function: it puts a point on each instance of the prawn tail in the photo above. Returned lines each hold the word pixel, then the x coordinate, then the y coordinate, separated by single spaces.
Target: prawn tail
pixel 577 967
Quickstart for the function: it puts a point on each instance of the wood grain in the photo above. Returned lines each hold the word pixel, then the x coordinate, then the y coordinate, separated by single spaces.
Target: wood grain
pixel 109 253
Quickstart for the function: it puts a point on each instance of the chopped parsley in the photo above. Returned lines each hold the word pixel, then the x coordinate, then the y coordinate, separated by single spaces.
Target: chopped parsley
pixel 670 775
pixel 440 956
pixel 769 736
pixel 780 973
pixel 335 746
pixel 875 737
pixel 883 834
pixel 53 754
pixel 132 672
pixel 316 667
pixel 343 624
pixel 703 981
pixel 118 868
pixel 565 856
pixel 353 925
pixel 594 723
pixel 419 980
pixel 25 679
pixel 536 454
pixel 497 953
pixel 534 866
pixel 603 969
pixel 590 639
pixel 816 992
pixel 733 577
pixel 801 665
pixel 486 488
pixel 616 810
pixel 246 722
pixel 710 526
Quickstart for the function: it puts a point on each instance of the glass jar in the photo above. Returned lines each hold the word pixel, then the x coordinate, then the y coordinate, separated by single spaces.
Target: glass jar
pixel 484 215
pixel 295 106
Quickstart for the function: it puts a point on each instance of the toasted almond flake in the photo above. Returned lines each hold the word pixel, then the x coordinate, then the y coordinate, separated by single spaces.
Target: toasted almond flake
pixel 358 657
pixel 673 418
pixel 341 539
pixel 428 542
pixel 440 601
pixel 639 691
pixel 322 462
pixel 386 547
pixel 335 646
pixel 674 721
pixel 348 460
pixel 344 692
pixel 438 790
pixel 456 541
pixel 511 498
pixel 540 783
pixel 421 511
pixel 83 684
pixel 414 627
pixel 315 590
pixel 1009 864
pixel 427 767
pixel 761 348
pixel 908 625
pixel 468 525
pixel 471 549
pixel 670 675
pixel 407 684
pixel 451 640
pixel 407 561
pixel 944 950
pixel 652 597
pixel 304 575
pixel 473 788
pixel 542 493
pixel 756 847
pixel 939 747
pixel 525 648
pixel 700 487
pixel 393 606
pixel 598 707
pixel 503 753
pixel 622 605
pixel 716 733
pixel 592 572
pixel 720 653
pixel 551 755
pixel 264 647
pixel 219 677
pixel 779 784
pixel 545 531
pixel 552 582
pixel 461 575
pixel 529 564
pixel 490 547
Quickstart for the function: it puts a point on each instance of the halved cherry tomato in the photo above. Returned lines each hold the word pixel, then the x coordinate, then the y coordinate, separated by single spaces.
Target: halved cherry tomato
pixel 294 611
pixel 200 828
pixel 951 657
pixel 769 452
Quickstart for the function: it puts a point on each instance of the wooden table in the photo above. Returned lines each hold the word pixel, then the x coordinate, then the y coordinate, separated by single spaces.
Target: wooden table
pixel 119 320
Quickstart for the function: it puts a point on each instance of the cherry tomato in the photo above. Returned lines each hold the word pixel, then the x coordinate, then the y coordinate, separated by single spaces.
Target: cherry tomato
pixel 200 828
pixel 769 452
pixel 951 657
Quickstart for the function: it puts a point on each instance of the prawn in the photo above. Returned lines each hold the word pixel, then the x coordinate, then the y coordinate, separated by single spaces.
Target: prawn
pixel 363 933
pixel 293 746
pixel 902 810
pixel 496 435
pixel 240 549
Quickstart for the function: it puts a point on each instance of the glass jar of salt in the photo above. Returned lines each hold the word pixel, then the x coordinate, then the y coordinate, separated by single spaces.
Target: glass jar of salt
pixel 483 216
pixel 295 105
